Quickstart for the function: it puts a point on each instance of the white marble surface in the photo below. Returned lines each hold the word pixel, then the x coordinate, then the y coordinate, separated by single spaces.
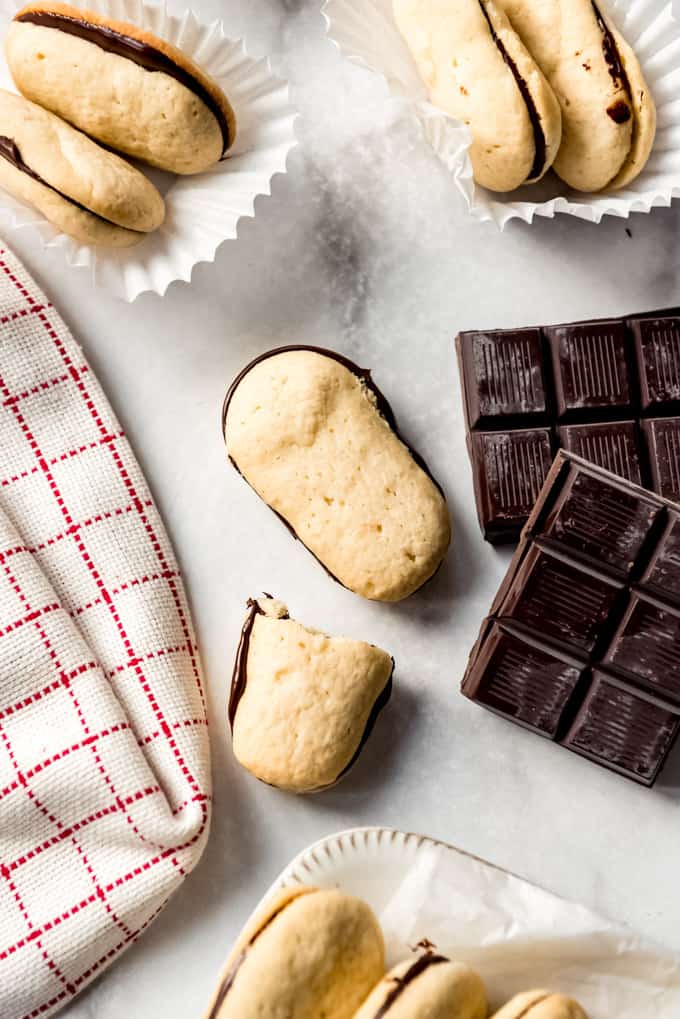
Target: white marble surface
pixel 364 247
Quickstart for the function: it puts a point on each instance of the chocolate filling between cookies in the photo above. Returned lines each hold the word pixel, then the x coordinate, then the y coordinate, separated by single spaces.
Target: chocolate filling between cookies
pixel 141 53
pixel 239 681
pixel 229 979
pixel 401 983
pixel 620 112
pixel 10 151
pixel 540 152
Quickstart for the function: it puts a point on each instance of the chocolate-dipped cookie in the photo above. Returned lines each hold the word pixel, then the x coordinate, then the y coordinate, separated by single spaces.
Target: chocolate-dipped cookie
pixel 310 952
pixel 316 439
pixel 477 68
pixel 608 114
pixel 302 704
pixel 429 987
pixel 84 190
pixel 541 1005
pixel 120 84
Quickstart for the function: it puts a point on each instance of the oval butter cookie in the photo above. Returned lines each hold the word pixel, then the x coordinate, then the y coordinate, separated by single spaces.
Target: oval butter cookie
pixel 315 438
pixel 302 704
pixel 431 987
pixel 311 952
pixel 476 68
pixel 120 84
pixel 608 114
pixel 85 191
pixel 541 1005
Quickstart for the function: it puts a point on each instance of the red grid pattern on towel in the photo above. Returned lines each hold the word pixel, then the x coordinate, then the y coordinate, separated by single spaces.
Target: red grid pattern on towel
pixel 119 671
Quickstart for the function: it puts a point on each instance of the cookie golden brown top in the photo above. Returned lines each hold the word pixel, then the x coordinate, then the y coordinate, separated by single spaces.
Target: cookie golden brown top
pixel 139 45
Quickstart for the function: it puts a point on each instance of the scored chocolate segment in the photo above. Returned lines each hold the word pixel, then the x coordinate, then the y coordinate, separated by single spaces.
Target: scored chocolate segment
pixel 614 445
pixel 506 374
pixel 657 349
pixel 617 726
pixel 646 646
pixel 600 520
pixel 663 439
pixel 607 390
pixel 513 467
pixel 582 643
pixel 562 602
pixel 589 364
pixel 528 684
pixel 663 573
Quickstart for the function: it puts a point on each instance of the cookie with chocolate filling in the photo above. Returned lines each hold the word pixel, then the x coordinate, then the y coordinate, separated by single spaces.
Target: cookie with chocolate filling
pixel 81 188
pixel 541 1005
pixel 476 68
pixel 310 952
pixel 121 85
pixel 430 987
pixel 302 704
pixel 317 440
pixel 608 114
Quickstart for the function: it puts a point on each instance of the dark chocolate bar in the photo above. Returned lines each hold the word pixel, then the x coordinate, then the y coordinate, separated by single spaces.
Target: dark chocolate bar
pixel 582 644
pixel 608 391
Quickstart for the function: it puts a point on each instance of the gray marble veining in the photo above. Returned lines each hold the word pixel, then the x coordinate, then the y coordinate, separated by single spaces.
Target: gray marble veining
pixel 365 247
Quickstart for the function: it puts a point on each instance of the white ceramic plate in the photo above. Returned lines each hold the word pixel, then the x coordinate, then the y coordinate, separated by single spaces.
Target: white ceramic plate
pixel 517 935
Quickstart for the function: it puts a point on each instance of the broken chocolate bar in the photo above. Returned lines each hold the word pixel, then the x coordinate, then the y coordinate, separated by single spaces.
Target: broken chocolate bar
pixel 608 391
pixel 582 644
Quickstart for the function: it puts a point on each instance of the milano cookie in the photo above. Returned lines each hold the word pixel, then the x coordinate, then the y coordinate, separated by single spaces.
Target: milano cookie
pixel 477 69
pixel 608 114
pixel 432 987
pixel 121 85
pixel 85 191
pixel 311 952
pixel 302 704
pixel 316 439
pixel 541 1005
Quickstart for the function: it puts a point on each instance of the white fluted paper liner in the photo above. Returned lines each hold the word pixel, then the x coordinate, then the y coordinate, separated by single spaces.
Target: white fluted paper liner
pixel 203 210
pixel 365 31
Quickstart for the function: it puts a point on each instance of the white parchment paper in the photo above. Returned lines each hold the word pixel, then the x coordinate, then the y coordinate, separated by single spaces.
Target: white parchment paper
pixel 520 937
pixel 365 31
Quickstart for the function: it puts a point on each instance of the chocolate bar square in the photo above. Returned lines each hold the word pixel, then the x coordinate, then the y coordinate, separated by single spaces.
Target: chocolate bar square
pixel 582 643
pixel 619 727
pixel 507 374
pixel 657 349
pixel 589 367
pixel 513 467
pixel 607 390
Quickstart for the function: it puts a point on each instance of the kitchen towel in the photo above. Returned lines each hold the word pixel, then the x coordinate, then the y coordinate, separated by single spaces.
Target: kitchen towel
pixel 104 754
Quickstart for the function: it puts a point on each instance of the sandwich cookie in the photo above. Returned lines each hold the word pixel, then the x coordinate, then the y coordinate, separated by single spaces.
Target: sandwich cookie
pixel 541 1005
pixel 311 952
pixel 477 68
pixel 85 191
pixel 120 84
pixel 608 114
pixel 432 987
pixel 317 440
pixel 302 704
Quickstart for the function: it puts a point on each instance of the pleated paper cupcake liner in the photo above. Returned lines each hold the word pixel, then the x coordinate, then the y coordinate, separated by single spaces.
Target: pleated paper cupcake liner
pixel 202 211
pixel 365 32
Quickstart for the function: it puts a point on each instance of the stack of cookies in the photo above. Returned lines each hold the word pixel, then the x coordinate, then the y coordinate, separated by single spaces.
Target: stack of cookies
pixel 90 88
pixel 540 85
pixel 315 952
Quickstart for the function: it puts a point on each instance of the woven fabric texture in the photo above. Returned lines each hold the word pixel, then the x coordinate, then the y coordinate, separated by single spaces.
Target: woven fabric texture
pixel 104 754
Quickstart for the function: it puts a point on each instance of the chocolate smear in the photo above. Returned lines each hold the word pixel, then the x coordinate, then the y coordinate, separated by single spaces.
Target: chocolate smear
pixel 10 151
pixel 411 974
pixel 540 153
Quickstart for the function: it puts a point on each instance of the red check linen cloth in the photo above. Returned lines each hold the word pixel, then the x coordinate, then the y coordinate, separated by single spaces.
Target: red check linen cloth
pixel 104 758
